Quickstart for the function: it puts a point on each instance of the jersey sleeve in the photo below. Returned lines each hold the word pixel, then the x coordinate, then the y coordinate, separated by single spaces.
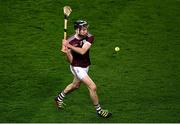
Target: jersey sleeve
pixel 90 39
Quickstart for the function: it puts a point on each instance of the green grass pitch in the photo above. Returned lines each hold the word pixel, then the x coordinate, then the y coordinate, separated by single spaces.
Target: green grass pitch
pixel 140 83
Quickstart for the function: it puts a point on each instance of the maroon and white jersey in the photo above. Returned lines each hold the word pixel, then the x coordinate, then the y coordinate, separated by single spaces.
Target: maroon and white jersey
pixel 78 59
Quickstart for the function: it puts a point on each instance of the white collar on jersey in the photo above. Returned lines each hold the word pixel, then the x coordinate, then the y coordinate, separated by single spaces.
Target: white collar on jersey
pixel 76 36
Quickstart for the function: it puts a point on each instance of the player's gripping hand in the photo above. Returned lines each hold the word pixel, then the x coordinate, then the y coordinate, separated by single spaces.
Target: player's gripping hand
pixel 64 44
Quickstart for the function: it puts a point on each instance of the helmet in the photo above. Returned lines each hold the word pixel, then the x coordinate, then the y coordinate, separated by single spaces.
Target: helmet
pixel 80 24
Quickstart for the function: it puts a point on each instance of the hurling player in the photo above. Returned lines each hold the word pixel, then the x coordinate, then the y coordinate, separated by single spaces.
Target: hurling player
pixel 77 52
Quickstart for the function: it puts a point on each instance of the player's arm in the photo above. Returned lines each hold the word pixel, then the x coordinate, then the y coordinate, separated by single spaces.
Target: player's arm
pixel 82 50
pixel 69 55
pixel 68 52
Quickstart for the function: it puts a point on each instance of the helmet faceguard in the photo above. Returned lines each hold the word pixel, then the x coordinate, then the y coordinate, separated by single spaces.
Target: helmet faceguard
pixel 79 24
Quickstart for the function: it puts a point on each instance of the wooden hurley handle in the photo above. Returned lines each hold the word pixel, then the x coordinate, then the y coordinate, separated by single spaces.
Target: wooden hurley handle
pixel 65 28
pixel 63 49
pixel 67 11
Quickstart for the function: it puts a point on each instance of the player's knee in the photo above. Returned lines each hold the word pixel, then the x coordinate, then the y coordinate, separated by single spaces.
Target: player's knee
pixel 76 85
pixel 93 87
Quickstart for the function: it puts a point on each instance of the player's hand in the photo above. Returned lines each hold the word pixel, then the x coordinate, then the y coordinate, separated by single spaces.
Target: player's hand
pixel 64 47
pixel 66 43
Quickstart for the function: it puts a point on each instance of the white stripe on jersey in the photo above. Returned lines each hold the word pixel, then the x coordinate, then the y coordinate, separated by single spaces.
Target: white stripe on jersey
pixel 71 38
pixel 89 35
pixel 84 41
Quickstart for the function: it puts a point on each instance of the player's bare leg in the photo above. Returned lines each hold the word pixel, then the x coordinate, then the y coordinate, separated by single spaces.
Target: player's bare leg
pixel 92 91
pixel 71 87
